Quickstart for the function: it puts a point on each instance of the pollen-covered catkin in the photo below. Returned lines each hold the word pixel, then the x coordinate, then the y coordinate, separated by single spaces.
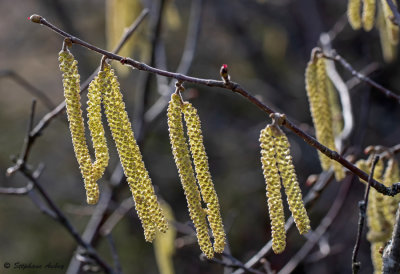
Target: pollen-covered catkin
pixel 181 154
pixel 354 13
pixel 289 180
pixel 316 86
pixel 368 14
pixel 71 83
pixel 96 126
pixel 147 206
pixel 273 183
pixel 203 175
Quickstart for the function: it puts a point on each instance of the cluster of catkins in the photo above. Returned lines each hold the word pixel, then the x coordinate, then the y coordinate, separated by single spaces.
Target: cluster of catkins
pixel 322 109
pixel 180 150
pixel 278 168
pixel 105 89
pixel 381 210
pixel 389 32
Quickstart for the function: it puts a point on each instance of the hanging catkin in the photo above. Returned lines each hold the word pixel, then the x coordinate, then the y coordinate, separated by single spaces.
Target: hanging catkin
pixel 96 126
pixel 273 183
pixel 181 154
pixel 289 181
pixel 71 83
pixel 203 175
pixel 147 206
pixel 353 13
pixel 321 111
pixel 368 14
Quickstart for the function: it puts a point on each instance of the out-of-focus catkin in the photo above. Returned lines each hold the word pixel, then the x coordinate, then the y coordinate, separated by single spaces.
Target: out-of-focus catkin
pixel 317 91
pixel 389 50
pixel 181 154
pixel 354 13
pixel 289 180
pixel 392 29
pixel 368 14
pixel 273 183
pixel 203 175
pixel 71 83
pixel 147 206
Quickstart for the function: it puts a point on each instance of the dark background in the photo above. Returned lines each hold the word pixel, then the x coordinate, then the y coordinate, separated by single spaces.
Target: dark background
pixel 266 45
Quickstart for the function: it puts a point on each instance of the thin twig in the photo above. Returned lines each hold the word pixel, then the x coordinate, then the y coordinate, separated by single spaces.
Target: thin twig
pixel 185 63
pixel 363 209
pixel 28 141
pixel 17 190
pixel 231 264
pixel 65 222
pixel 117 263
pixel 235 88
pixel 336 57
pixel 28 87
pixel 143 90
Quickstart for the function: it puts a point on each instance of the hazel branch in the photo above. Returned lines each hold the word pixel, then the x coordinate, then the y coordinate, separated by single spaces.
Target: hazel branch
pixel 336 57
pixel 391 191
pixel 363 209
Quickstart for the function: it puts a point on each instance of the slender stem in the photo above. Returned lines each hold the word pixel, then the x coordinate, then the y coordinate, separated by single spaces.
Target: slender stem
pixel 336 57
pixel 229 86
pixel 65 222
pixel 363 209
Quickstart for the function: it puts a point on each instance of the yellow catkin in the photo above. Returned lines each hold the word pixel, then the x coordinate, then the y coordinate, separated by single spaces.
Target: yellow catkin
pixel 389 51
pixel 392 29
pixel 96 126
pixel 181 154
pixel 390 204
pixel 354 13
pixel 368 14
pixel 71 83
pixel 147 206
pixel 289 180
pixel 203 175
pixel 317 92
pixel 273 182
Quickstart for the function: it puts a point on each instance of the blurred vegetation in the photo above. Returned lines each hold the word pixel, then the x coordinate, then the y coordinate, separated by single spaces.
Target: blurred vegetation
pixel 266 45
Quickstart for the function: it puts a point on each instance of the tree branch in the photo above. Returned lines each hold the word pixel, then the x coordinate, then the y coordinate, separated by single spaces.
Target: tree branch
pixel 336 57
pixel 229 86
pixel 363 209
